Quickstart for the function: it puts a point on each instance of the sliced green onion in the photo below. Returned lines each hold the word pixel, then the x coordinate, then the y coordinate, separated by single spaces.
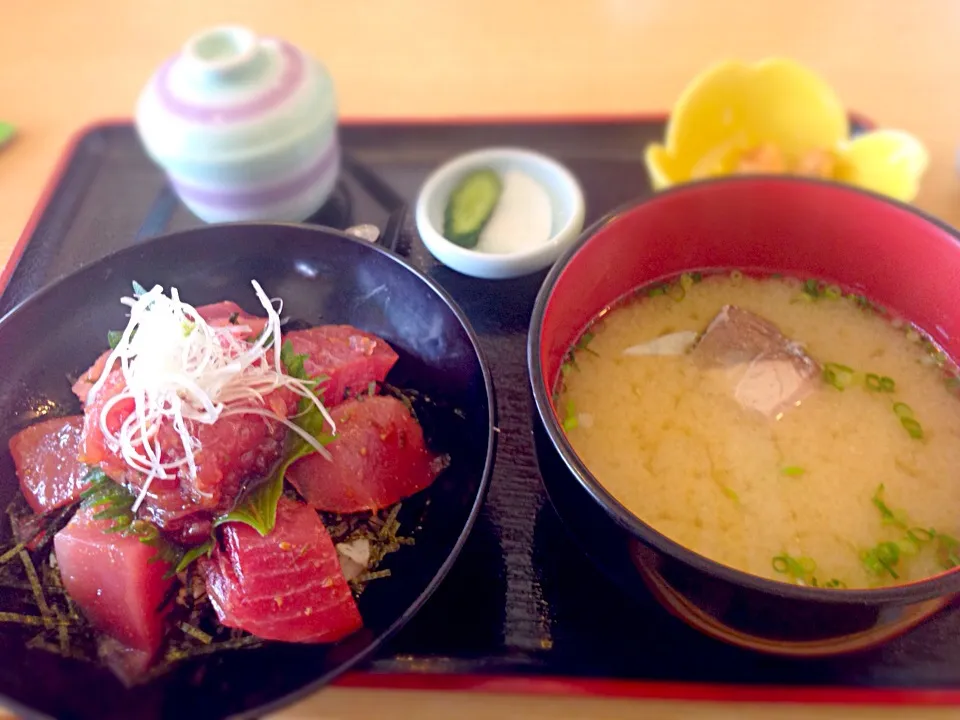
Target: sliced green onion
pixel 920 535
pixel 730 493
pixel 696 277
pixel 947 551
pixel 570 420
pixel 913 428
pixel 676 292
pixel 887 384
pixel 840 376
pixel 781 564
pixel 797 568
pixel 811 288
pixel 832 292
pixel 888 516
pixel 687 281
pixel 793 471
pixel 882 558
pixel 584 341
pixel 656 290
pixel 902 410
pixel 908 546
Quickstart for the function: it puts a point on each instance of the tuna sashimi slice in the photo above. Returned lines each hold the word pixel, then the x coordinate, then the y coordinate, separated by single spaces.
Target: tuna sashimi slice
pixel 46 458
pixel 229 313
pixel 379 457
pixel 350 358
pixel 287 586
pixel 83 385
pixel 113 581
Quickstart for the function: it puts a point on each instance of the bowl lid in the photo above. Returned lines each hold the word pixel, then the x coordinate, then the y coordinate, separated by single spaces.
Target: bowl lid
pixel 230 93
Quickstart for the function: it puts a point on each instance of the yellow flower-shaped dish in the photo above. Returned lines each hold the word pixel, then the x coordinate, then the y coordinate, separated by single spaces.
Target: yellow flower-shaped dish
pixel 777 116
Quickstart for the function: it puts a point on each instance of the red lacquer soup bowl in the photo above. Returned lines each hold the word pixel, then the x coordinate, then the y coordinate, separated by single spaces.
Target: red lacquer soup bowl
pixel 893 254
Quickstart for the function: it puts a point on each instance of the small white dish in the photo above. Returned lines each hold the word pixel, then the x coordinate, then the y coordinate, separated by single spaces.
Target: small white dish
pixel 566 199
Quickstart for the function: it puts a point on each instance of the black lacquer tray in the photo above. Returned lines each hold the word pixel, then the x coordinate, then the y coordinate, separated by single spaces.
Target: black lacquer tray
pixel 523 609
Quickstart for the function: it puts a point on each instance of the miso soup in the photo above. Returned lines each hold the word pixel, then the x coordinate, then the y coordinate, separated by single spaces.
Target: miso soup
pixel 778 426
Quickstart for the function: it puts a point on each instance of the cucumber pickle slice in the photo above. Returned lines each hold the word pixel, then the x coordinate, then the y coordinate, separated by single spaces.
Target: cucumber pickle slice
pixel 470 206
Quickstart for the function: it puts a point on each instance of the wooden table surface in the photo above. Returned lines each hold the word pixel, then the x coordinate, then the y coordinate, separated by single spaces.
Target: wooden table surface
pixel 65 63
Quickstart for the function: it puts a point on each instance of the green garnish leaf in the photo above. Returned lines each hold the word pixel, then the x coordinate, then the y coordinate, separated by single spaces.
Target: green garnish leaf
pixel 113 338
pixel 194 554
pixel 793 471
pixel 292 362
pixel 114 502
pixel 258 507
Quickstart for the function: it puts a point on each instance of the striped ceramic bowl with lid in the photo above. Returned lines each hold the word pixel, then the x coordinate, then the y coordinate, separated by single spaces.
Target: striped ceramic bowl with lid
pixel 244 126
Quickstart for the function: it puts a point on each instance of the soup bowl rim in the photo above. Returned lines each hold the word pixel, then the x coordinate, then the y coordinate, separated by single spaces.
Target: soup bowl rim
pixel 939 585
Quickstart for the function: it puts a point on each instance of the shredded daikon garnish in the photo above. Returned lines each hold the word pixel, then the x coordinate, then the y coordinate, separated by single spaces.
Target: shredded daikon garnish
pixel 180 370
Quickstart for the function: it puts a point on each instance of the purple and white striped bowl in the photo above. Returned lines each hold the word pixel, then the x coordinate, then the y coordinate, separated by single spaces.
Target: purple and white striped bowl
pixel 245 127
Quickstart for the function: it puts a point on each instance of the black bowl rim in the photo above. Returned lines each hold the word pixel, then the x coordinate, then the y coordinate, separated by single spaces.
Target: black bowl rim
pixel 939 585
pixel 155 245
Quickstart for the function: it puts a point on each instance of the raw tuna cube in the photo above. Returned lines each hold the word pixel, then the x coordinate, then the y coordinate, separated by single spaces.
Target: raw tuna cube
pixel 46 457
pixel 379 458
pixel 287 586
pixel 348 357
pixel 113 581
pixel 770 372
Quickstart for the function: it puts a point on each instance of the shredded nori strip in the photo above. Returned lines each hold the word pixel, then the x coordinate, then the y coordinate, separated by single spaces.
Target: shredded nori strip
pixel 38 595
